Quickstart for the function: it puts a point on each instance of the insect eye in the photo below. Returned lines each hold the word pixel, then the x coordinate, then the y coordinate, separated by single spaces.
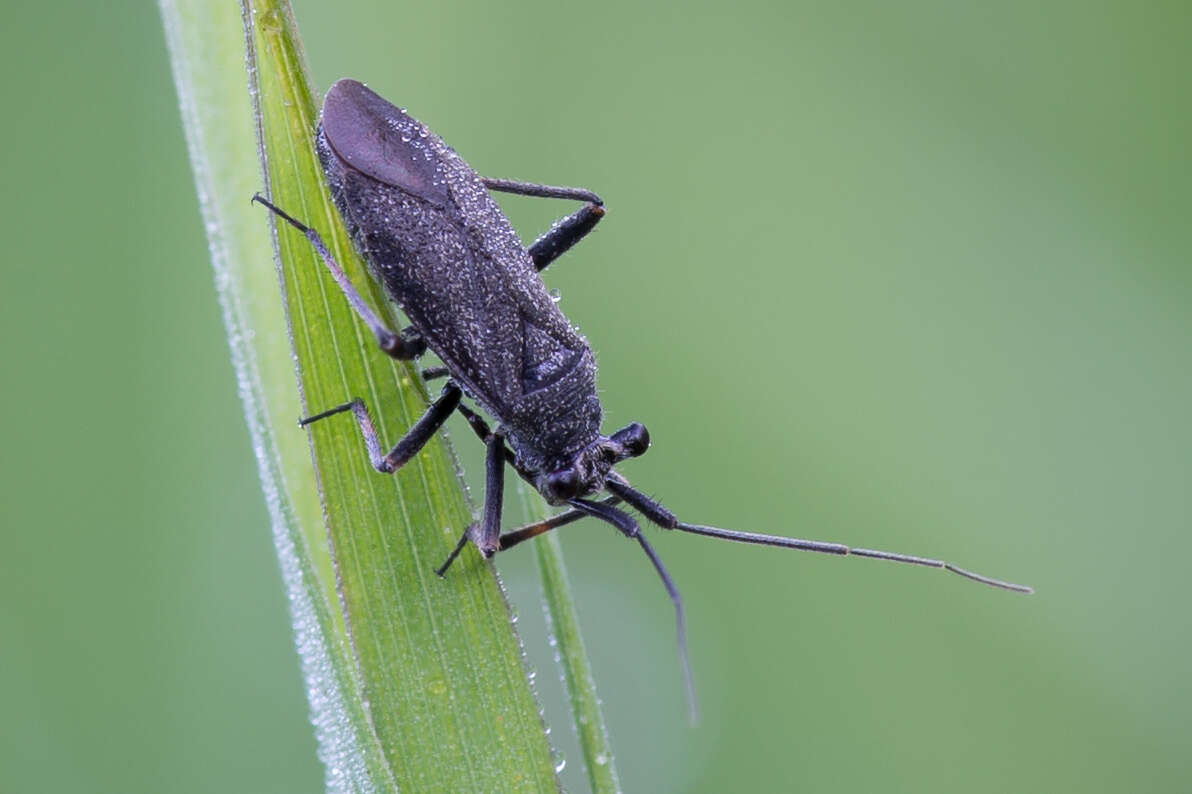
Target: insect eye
pixel 564 484
pixel 634 439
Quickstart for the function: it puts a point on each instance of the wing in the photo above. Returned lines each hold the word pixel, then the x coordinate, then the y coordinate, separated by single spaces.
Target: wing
pixel 450 259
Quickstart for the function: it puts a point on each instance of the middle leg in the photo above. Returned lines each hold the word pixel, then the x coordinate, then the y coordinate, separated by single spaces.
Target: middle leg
pixel 409 444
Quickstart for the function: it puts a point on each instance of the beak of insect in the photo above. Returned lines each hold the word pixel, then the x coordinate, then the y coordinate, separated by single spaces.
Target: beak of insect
pixel 632 440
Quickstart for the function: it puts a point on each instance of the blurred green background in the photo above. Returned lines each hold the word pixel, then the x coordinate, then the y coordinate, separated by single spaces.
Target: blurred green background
pixel 911 276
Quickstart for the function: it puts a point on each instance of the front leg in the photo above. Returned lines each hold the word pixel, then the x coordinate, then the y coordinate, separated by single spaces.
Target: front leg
pixel 486 535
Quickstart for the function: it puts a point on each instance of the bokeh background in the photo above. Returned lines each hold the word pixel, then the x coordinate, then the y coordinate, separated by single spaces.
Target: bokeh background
pixel 912 276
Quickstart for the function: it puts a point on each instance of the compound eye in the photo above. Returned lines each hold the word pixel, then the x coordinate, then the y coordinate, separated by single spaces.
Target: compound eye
pixel 634 439
pixel 563 484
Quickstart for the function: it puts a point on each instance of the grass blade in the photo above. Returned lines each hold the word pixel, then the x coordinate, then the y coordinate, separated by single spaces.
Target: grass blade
pixel 568 644
pixel 206 46
pixel 415 682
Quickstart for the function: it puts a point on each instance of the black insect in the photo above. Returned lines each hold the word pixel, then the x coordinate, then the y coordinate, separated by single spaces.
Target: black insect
pixel 426 225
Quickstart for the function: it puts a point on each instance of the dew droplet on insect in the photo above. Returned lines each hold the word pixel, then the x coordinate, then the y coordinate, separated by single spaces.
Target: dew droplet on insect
pixel 465 220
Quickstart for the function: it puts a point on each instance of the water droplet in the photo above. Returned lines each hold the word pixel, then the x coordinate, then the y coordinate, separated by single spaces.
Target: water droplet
pixel 559 767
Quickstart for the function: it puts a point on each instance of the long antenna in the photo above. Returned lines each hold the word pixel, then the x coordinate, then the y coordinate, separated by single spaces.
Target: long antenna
pixel 665 519
pixel 628 526
pixel 841 550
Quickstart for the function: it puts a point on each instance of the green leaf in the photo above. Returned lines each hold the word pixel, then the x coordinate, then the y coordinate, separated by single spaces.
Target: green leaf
pixel 206 44
pixel 415 682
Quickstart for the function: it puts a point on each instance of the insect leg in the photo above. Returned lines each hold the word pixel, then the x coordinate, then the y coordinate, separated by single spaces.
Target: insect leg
pixel 413 441
pixel 516 536
pixel 405 345
pixel 664 518
pixel 541 191
pixel 494 495
pixel 566 232
pixel 486 535
pixel 483 432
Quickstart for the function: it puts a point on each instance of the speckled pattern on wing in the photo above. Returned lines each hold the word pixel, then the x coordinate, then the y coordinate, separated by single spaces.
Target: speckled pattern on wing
pixel 451 261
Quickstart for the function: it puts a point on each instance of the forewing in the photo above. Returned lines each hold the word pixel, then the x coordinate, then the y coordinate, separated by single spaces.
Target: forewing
pixel 444 251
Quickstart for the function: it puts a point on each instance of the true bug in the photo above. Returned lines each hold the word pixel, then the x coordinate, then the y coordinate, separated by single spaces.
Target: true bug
pixel 432 235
